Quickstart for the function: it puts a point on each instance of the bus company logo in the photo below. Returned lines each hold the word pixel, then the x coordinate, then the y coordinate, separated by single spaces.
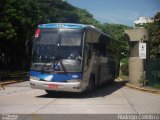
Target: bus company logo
pixel 74 76
pixel 57 67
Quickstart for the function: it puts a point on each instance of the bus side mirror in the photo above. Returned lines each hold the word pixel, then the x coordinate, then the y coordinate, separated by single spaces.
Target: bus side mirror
pixel 28 47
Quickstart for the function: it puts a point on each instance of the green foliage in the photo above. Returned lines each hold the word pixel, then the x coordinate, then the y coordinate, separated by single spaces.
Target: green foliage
pixel 56 11
pixel 124 66
pixel 85 17
pixel 154 36
pixel 157 86
pixel 116 31
pixel 19 19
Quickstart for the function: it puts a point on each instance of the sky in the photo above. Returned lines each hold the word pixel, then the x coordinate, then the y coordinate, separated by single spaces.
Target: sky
pixel 118 11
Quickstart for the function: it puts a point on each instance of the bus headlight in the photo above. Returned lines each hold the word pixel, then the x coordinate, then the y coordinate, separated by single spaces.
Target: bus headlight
pixel 34 78
pixel 73 81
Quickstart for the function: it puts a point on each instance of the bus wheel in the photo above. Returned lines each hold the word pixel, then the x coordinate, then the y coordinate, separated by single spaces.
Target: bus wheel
pixel 113 78
pixel 91 83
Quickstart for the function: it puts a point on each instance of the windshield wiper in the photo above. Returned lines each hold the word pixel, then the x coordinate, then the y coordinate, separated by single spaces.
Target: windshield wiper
pixel 44 65
pixel 61 63
pixel 56 64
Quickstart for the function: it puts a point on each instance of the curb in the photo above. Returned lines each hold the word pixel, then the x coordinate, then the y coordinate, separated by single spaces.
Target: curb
pixel 11 82
pixel 142 89
pixel 120 79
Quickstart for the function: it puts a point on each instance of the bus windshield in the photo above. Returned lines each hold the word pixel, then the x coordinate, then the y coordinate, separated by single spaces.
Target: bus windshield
pixel 53 46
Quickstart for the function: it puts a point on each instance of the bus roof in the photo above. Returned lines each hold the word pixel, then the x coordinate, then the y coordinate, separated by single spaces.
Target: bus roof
pixel 62 25
pixel 71 25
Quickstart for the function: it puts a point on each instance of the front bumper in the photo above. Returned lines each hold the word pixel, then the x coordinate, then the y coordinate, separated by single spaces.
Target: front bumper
pixel 56 86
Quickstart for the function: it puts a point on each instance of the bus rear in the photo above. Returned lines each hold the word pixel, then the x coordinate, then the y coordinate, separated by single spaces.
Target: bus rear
pixel 57 57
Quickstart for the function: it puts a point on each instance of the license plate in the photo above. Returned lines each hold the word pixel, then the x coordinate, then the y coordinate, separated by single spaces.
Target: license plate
pixel 53 86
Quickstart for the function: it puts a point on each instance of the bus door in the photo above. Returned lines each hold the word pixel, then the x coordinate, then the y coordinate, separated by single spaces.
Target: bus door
pixel 108 67
pixel 104 67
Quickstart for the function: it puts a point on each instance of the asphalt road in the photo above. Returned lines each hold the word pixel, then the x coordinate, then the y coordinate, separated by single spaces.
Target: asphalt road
pixel 112 98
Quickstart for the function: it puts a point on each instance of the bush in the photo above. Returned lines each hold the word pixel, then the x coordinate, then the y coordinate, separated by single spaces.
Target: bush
pixel 124 67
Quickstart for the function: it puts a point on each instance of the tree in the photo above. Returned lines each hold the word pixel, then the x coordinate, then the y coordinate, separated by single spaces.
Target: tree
pixel 17 23
pixel 19 19
pixel 116 31
pixel 154 36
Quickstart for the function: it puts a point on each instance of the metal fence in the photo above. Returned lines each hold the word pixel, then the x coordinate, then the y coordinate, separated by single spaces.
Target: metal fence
pixel 153 71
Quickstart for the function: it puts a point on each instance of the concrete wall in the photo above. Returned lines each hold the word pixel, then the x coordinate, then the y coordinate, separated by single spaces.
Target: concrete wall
pixel 134 37
pixel 135 70
pixel 137 34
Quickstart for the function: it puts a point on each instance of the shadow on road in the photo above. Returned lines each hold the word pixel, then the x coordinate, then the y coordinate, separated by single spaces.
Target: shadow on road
pixel 101 91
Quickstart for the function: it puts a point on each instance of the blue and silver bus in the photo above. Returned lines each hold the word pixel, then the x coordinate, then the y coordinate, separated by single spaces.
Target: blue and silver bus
pixel 72 57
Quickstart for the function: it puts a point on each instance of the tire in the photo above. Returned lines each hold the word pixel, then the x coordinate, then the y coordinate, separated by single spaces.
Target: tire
pixel 91 85
pixel 113 77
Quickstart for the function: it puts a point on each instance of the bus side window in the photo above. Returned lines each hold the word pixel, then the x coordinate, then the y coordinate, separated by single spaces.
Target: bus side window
pixel 102 45
pixel 102 50
pixel 87 55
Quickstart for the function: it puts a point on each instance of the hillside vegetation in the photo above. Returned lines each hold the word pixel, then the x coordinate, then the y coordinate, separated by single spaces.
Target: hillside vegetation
pixel 19 19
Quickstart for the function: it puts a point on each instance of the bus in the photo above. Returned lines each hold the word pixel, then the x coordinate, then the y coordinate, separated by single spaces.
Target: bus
pixel 72 58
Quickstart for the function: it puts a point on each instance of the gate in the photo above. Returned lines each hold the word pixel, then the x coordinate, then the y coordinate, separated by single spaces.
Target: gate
pixel 153 71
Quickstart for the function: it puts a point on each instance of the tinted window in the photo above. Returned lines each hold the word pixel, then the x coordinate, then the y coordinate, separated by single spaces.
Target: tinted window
pixel 71 37
pixel 48 36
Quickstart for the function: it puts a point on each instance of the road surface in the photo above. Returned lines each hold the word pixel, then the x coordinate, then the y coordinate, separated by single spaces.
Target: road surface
pixel 112 98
